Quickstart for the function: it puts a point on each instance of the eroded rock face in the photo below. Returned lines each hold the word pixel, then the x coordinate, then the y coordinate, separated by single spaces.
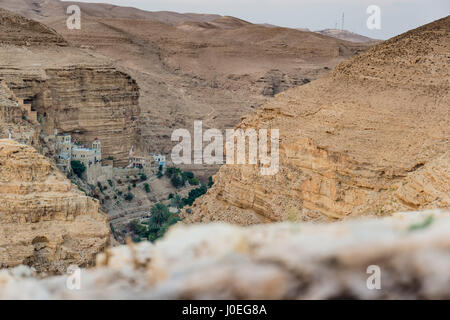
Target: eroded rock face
pixel 371 138
pixel 71 89
pixel 17 30
pixel 45 222
pixel 13 119
pixel 276 261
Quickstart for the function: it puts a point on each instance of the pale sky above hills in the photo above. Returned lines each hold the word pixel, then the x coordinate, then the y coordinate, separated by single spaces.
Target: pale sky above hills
pixel 397 16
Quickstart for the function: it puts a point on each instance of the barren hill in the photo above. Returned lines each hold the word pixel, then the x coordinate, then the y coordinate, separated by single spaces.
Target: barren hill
pixel 17 30
pixel 195 67
pixel 48 9
pixel 371 137
pixel 346 35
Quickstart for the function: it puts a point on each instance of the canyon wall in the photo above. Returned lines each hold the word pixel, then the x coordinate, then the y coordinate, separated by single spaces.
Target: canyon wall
pixel 71 89
pixel 45 221
pixel 370 138
pixel 89 102
pixel 13 119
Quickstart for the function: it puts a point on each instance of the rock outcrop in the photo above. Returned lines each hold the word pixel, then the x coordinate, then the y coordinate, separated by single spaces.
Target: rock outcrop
pixel 13 119
pixel 17 30
pixel 370 138
pixel 71 89
pixel 45 221
pixel 409 251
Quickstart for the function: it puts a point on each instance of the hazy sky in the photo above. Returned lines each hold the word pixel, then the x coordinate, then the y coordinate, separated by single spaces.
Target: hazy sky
pixel 397 16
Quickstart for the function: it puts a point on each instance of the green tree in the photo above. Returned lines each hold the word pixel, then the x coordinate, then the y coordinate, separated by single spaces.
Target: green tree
pixel 159 215
pixel 188 175
pixel 177 202
pixel 160 221
pixel 78 167
pixel 194 182
pixel 194 194
pixel 177 180
pixel 129 196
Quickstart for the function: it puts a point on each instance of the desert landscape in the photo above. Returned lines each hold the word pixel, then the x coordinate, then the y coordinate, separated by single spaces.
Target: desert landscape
pixel 87 180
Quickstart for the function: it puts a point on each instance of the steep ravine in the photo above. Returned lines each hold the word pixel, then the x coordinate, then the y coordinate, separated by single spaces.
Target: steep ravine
pixel 370 138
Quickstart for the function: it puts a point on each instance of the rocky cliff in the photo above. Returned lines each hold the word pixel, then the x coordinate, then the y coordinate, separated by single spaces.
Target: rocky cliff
pixel 409 252
pixel 45 221
pixel 72 90
pixel 13 119
pixel 370 138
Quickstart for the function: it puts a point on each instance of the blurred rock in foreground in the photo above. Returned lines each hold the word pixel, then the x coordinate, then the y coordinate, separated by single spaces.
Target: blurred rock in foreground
pixel 277 261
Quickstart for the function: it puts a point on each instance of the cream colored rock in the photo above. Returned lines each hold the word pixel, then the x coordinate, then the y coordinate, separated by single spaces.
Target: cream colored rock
pixel 274 261
pixel 45 221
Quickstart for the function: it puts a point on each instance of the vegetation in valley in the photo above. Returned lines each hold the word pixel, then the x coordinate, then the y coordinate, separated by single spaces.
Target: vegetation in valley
pixel 78 167
pixel 161 219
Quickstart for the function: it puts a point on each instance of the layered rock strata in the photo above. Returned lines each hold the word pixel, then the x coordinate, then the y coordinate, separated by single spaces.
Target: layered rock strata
pixel 45 221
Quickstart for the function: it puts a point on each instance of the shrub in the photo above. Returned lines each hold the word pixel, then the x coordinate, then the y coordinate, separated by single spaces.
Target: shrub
pixel 210 182
pixel 194 194
pixel 110 182
pixel 136 239
pixel 177 181
pixel 138 228
pixel 129 196
pixel 143 177
pixel 147 188
pixel 170 171
pixel 78 167
pixel 194 182
pixel 188 175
